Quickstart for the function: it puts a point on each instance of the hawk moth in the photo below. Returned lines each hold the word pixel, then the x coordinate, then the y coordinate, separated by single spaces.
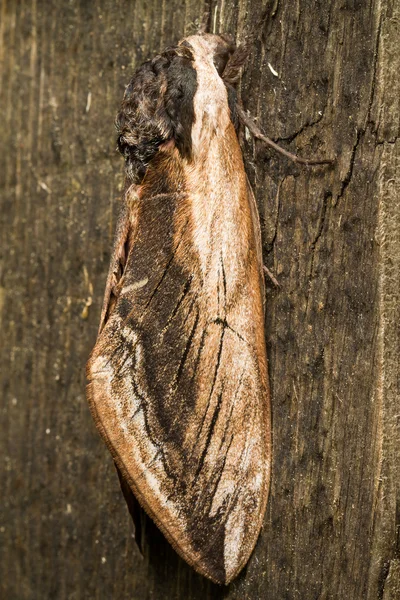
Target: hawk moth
pixel 178 382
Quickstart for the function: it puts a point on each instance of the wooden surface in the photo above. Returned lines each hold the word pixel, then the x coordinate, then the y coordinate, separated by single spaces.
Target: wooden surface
pixel 331 236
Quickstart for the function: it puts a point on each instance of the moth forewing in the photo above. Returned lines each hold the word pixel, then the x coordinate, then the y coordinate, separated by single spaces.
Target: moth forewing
pixel 178 377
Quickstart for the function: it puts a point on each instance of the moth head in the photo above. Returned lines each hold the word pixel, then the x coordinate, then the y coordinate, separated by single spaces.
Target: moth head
pixel 215 98
pixel 217 48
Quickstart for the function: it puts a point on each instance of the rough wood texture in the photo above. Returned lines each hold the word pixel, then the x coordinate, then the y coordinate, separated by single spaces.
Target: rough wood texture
pixel 331 236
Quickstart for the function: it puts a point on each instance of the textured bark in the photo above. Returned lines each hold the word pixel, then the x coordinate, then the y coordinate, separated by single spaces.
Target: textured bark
pixel 331 236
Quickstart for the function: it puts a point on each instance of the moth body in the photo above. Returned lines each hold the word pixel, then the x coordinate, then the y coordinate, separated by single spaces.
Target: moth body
pixel 178 382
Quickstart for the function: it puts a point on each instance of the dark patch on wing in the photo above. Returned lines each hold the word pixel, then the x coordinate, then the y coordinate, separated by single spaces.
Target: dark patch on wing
pixel 124 307
pixel 169 263
pixel 149 312
pixel 150 430
pixel 180 300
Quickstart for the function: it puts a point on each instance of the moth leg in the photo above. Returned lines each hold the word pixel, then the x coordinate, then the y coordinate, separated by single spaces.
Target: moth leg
pixel 235 63
pixel 271 276
pixel 206 18
pixel 257 133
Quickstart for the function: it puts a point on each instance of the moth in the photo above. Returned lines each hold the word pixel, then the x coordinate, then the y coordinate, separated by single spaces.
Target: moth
pixel 178 378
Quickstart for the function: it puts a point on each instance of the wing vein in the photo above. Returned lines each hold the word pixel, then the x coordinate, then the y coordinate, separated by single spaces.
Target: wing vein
pixel 210 434
pixel 187 349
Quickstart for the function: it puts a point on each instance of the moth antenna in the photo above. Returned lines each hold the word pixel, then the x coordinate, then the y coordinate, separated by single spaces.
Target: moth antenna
pixel 206 18
pixel 257 133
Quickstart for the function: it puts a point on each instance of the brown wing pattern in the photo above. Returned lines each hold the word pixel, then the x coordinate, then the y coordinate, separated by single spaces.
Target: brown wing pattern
pixel 178 381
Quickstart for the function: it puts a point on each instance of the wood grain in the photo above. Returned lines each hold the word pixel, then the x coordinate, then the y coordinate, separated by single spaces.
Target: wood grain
pixel 331 236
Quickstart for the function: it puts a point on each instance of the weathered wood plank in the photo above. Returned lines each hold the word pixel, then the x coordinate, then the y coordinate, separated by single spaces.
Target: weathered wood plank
pixel 331 235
